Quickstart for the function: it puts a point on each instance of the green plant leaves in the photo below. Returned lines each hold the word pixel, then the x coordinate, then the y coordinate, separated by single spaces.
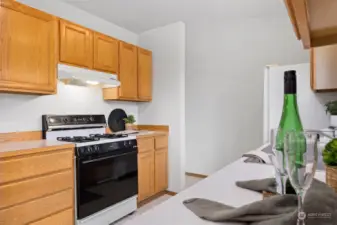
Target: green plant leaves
pixel 330 153
pixel 130 119
pixel 331 107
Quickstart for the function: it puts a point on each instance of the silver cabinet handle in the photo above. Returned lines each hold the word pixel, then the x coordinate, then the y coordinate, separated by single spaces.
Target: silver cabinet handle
pixel 108 157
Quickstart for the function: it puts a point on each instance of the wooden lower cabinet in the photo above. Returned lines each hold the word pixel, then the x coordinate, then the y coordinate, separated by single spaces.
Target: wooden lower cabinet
pixel 37 188
pixel 18 168
pixel 62 218
pixel 152 166
pixel 36 209
pixel 161 178
pixel 145 175
pixel 34 188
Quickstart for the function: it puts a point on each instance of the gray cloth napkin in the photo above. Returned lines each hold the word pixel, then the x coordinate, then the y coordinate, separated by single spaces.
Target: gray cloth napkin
pixel 320 205
pixel 268 184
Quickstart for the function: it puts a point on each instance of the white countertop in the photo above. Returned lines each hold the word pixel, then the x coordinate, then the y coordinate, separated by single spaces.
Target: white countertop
pixel 218 187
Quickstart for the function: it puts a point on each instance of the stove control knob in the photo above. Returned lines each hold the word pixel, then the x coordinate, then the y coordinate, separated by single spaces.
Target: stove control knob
pixel 126 144
pixel 82 150
pixel 65 120
pixel 130 143
pixel 96 148
pixel 91 118
pixel 85 119
pixel 89 149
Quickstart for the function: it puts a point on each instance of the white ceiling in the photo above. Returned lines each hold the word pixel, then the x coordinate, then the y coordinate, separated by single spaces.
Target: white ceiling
pixel 142 15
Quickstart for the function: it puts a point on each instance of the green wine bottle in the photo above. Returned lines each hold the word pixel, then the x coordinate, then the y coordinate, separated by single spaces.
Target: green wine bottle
pixel 290 119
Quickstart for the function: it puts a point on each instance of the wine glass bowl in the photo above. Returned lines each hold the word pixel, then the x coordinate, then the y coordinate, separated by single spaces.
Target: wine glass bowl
pixel 301 153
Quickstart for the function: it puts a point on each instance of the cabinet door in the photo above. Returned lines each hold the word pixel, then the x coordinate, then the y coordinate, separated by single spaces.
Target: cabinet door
pixel 128 71
pixel 145 175
pixel 144 74
pixel 105 53
pixel 161 177
pixel 75 44
pixel 27 49
pixel 324 68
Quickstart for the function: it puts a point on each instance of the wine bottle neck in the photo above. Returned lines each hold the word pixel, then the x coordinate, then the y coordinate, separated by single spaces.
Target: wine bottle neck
pixel 290 101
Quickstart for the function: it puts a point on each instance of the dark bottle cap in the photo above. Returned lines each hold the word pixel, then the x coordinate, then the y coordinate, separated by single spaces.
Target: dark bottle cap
pixel 290 82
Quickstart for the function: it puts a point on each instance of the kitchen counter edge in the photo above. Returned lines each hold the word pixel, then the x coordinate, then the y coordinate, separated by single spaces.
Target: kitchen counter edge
pixel 152 134
pixel 18 148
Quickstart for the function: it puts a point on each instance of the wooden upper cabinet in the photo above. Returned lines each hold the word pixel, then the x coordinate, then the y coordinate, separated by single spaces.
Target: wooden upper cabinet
pixel 105 53
pixel 314 21
pixel 75 45
pixel 324 68
pixel 128 71
pixel 144 74
pixel 27 49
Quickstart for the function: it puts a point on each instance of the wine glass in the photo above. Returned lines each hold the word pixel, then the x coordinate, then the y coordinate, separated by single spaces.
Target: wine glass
pixel 301 154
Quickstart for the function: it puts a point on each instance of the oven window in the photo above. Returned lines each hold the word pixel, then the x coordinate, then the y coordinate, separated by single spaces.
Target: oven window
pixel 106 181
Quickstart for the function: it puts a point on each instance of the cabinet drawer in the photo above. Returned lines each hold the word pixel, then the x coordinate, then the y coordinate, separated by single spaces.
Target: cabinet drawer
pixel 61 218
pixel 161 142
pixel 145 144
pixel 37 209
pixel 26 190
pixel 17 168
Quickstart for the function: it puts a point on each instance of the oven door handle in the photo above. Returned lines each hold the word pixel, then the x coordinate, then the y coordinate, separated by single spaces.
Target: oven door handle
pixel 108 157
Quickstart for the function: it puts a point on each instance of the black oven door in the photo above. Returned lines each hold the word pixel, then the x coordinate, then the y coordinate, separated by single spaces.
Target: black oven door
pixel 105 181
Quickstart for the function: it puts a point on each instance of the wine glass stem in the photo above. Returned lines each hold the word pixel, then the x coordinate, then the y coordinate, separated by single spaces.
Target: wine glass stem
pixel 284 184
pixel 301 213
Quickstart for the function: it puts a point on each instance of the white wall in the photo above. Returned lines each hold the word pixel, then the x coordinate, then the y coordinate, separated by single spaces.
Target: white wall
pixel 168 104
pixel 81 17
pixel 224 85
pixel 23 112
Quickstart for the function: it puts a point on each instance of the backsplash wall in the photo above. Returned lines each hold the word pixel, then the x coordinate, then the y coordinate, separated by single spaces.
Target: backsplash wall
pixel 23 112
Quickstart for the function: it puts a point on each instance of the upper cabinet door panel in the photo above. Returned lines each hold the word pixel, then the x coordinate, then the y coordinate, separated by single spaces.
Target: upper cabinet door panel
pixel 144 74
pixel 75 44
pixel 128 71
pixel 105 53
pixel 324 68
pixel 28 50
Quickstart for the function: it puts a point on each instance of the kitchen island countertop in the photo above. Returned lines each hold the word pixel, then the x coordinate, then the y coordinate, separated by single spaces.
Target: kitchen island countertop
pixel 218 187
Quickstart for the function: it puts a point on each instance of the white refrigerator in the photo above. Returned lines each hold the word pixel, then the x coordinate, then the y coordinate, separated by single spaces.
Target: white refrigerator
pixel 310 104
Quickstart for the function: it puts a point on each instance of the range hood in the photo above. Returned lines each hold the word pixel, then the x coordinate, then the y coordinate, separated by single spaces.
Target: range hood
pixel 85 77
